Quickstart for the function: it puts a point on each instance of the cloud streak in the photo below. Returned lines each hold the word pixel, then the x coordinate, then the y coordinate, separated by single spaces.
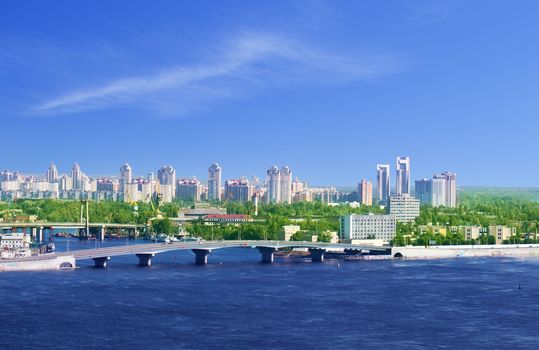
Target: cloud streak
pixel 248 62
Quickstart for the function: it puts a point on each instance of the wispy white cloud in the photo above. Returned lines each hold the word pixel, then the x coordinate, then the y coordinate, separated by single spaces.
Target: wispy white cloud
pixel 239 67
pixel 428 12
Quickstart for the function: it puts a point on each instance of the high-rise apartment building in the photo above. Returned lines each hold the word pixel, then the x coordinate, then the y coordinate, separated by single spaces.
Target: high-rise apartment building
pixel 450 189
pixel 423 190
pixel 214 182
pixel 126 176
pixel 105 185
pixel 238 190
pixel 297 186
pixel 364 190
pixel 402 185
pixel 438 191
pixel 274 185
pixel 76 175
pixel 52 173
pixel 6 175
pixel 286 185
pixel 382 176
pixel 167 181
pixel 188 190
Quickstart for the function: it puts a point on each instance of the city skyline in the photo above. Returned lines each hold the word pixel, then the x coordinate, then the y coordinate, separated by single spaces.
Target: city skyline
pixel 149 86
pixel 126 173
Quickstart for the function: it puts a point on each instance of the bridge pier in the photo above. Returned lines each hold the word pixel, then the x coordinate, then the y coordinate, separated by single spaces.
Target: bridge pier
pixel 352 251
pixel 145 259
pixel 101 235
pixel 101 262
pixel 201 256
pixel 267 254
pixel 39 237
pixel 317 254
pixel 33 234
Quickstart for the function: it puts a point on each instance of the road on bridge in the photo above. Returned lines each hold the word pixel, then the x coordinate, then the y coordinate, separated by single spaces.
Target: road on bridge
pixel 154 248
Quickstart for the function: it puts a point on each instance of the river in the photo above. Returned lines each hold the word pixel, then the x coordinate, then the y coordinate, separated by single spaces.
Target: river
pixel 235 302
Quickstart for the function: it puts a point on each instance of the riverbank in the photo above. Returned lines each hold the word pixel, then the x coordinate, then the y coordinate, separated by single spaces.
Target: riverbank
pixel 444 252
pixel 38 263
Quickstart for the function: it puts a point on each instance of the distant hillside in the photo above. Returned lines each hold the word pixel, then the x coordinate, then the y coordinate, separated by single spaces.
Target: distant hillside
pixel 526 193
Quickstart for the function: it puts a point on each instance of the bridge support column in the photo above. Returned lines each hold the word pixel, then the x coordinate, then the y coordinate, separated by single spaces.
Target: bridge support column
pixel 317 255
pixel 350 251
pixel 101 262
pixel 145 259
pixel 267 254
pixel 33 234
pixel 39 237
pixel 201 256
pixel 102 231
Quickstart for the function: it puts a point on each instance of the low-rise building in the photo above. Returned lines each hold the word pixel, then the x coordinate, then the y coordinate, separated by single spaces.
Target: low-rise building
pixel 288 231
pixel 501 233
pixel 14 241
pixel 227 218
pixel 472 232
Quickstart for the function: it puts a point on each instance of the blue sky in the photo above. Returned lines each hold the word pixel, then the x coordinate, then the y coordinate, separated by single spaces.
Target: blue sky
pixel 330 88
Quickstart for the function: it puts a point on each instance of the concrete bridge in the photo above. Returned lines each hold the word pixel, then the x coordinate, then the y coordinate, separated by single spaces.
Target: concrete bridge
pixel 267 249
pixel 37 229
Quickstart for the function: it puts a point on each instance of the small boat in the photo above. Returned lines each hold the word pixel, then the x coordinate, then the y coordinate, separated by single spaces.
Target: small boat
pixel 163 238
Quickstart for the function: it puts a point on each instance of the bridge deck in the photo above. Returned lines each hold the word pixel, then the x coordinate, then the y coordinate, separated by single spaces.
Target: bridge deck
pixel 208 245
pixel 67 224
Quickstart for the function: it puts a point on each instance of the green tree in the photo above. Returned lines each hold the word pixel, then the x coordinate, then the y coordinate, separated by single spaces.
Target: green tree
pixel 298 236
pixel 163 226
pixel 324 237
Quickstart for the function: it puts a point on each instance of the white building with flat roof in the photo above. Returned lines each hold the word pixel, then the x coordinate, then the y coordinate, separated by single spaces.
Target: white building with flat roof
pixel 14 241
pixel 370 226
pixel 404 207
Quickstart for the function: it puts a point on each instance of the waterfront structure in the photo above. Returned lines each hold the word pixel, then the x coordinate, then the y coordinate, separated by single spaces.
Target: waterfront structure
pixel 402 185
pixel 274 185
pixel 267 249
pixel 423 191
pixel 14 241
pixel 368 227
pixel 383 182
pixel 214 182
pixel 285 183
pixel 166 176
pixel 126 176
pixel 238 190
pixel 188 190
pixel 364 191
pixel 52 173
pixel 404 207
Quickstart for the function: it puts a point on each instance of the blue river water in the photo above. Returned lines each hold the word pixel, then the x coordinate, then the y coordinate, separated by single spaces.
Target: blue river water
pixel 235 302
